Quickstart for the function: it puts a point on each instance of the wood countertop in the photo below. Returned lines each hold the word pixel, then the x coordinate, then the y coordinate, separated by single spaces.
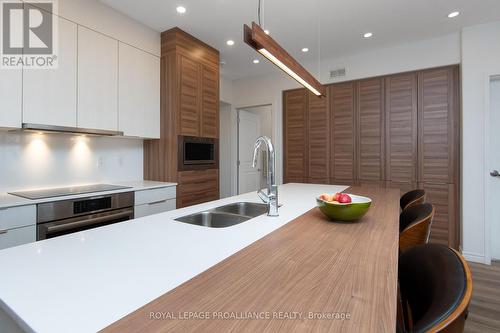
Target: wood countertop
pixel 309 275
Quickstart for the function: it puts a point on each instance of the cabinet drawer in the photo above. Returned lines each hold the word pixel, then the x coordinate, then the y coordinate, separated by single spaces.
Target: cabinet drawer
pixel 190 200
pixel 154 195
pixel 18 236
pixel 16 217
pixel 198 182
pixel 154 208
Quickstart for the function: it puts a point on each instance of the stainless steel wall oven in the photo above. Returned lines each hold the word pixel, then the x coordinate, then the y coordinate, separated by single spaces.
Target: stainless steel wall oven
pixel 68 216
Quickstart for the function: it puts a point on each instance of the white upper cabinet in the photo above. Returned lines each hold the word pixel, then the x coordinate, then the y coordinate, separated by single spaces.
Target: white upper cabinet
pixel 97 80
pixel 11 97
pixel 49 95
pixel 139 93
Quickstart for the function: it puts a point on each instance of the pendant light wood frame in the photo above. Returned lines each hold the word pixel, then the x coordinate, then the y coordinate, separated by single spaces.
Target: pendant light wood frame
pixel 257 39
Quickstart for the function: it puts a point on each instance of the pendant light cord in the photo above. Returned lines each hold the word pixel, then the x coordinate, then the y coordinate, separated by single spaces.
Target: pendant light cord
pixel 319 41
pixel 258 13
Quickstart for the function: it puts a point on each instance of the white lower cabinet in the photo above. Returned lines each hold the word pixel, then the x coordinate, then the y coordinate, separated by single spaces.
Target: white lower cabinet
pixel 154 201
pixel 17 236
pixel 17 226
pixel 154 208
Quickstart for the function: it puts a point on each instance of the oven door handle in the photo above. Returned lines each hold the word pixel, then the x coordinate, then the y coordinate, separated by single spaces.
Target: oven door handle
pixel 85 223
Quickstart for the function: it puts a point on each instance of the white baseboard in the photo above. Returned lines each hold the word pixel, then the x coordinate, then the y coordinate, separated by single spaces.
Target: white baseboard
pixel 475 257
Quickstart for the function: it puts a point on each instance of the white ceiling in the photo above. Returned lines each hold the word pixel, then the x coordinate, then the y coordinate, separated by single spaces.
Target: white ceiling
pixel 295 24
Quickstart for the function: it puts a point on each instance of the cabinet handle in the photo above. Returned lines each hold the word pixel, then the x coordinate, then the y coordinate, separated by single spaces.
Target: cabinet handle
pixel 157 202
pixel 3 232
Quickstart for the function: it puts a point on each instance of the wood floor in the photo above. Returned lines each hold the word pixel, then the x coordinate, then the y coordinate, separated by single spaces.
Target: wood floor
pixel 484 309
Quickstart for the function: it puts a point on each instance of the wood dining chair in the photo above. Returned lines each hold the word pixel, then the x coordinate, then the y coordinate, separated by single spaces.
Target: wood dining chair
pixel 415 225
pixel 436 287
pixel 412 198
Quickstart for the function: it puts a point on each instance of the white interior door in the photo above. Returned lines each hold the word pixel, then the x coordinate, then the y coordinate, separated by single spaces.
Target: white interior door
pixel 493 198
pixel 249 129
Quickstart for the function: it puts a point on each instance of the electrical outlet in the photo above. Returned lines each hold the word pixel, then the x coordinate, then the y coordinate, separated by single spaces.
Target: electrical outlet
pixel 100 162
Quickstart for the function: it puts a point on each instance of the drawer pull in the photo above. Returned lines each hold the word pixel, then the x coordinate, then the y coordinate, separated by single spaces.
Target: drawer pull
pixel 157 202
pixel 3 232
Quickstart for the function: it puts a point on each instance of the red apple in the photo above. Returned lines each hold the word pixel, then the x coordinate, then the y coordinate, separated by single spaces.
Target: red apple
pixel 344 198
pixel 336 196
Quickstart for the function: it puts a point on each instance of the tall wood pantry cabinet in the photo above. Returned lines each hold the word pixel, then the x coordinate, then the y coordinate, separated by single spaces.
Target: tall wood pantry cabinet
pixel 189 107
pixel 398 131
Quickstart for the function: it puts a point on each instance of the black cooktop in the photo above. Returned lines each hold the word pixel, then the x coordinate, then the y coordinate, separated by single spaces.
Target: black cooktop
pixel 64 191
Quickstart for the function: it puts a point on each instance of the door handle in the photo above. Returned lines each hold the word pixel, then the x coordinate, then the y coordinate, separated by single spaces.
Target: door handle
pixel 494 173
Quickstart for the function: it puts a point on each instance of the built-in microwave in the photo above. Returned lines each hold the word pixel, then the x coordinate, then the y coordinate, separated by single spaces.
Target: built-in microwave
pixel 197 153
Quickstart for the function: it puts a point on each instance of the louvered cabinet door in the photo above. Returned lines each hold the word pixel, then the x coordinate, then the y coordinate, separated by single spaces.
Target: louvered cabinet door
pixel 370 131
pixel 401 128
pixel 438 125
pixel 342 143
pixel 189 100
pixel 210 103
pixel 295 135
pixel 318 146
pixel 444 229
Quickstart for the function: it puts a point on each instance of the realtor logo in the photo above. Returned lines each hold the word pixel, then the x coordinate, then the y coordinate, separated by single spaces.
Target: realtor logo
pixel 28 34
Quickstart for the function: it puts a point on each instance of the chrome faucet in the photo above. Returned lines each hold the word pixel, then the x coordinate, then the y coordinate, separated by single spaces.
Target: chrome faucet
pixel 271 197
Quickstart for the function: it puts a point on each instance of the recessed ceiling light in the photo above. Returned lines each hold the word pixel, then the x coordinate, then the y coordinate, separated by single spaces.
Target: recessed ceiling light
pixel 368 35
pixel 305 49
pixel 266 31
pixel 256 61
pixel 230 42
pixel 180 9
pixel 453 14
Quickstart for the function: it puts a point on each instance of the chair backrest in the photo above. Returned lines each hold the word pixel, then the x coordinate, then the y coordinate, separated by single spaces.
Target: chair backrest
pixel 415 225
pixel 411 198
pixel 436 288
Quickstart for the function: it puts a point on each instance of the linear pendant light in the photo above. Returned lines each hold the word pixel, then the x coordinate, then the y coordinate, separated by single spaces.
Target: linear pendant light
pixel 256 38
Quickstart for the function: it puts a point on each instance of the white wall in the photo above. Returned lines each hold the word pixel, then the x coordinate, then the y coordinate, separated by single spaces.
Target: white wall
pixel 31 160
pixel 412 56
pixel 480 57
pixel 225 141
pixel 226 90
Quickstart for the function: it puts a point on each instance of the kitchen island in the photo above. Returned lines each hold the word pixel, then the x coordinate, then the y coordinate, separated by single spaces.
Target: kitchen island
pixel 89 280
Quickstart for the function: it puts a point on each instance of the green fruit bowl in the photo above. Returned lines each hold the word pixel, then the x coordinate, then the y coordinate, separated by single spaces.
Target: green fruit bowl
pixel 345 212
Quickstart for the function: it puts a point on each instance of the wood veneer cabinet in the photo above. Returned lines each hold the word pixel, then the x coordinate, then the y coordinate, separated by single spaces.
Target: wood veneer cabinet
pixel 343 133
pixel 318 129
pixel 370 132
pixel 295 134
pixel 399 131
pixel 189 107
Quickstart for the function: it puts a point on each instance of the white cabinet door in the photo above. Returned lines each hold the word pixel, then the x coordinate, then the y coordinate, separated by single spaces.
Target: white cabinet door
pixel 97 80
pixel 18 236
pixel 154 208
pixel 49 95
pixel 139 93
pixel 11 97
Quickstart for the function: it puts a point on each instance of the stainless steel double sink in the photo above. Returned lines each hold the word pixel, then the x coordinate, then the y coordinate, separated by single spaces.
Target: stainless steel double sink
pixel 225 216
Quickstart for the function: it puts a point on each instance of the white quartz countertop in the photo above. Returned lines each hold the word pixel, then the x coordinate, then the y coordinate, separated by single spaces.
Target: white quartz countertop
pixel 9 200
pixel 85 281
